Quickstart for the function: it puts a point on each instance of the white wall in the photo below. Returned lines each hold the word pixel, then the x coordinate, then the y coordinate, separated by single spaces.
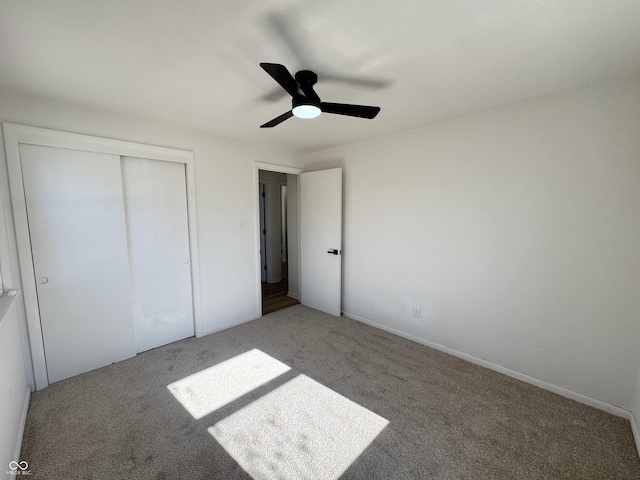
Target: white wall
pixel 515 231
pixel 14 394
pixel 225 189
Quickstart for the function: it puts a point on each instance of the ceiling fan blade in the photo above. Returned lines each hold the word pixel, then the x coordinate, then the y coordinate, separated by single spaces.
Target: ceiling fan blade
pixel 281 75
pixel 361 111
pixel 277 120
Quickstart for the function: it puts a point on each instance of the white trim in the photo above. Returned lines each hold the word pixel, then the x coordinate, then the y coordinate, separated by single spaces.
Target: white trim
pixel 12 140
pixel 270 167
pixel 14 135
pixel 298 191
pixel 636 432
pixel 256 247
pixel 289 294
pixel 23 421
pixel 592 402
pixel 10 266
pixel 75 141
pixel 6 252
pixel 193 243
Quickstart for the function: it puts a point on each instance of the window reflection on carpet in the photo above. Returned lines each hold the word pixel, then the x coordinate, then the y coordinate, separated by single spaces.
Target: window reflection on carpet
pixel 301 430
pixel 212 388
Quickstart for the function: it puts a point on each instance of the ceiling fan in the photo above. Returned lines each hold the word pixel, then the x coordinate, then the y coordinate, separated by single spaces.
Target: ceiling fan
pixel 305 101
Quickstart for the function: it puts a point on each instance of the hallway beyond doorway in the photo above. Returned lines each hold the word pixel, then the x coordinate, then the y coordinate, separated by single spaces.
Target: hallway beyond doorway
pixel 274 295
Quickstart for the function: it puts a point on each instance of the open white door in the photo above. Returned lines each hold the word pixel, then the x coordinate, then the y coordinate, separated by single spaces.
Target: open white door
pixel 321 240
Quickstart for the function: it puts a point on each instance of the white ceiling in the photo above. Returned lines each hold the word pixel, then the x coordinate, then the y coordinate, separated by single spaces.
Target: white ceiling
pixel 196 62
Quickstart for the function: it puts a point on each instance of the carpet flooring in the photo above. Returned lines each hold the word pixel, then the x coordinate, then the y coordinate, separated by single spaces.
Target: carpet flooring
pixel 447 418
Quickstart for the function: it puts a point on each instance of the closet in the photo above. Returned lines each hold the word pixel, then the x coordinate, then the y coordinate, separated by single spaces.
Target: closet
pixel 109 241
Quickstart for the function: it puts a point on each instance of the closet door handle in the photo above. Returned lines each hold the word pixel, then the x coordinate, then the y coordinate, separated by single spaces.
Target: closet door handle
pixel 43 280
pixel 185 261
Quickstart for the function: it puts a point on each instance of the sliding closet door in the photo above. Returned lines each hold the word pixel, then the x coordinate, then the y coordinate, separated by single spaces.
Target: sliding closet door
pixel 158 235
pixel 76 217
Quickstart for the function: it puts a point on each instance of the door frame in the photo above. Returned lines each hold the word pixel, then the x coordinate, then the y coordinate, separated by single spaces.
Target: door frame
pixel 262 226
pixel 14 135
pixel 271 167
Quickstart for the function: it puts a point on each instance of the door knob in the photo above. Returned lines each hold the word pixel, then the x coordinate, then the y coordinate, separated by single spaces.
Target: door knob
pixel 333 251
pixel 43 280
pixel 185 261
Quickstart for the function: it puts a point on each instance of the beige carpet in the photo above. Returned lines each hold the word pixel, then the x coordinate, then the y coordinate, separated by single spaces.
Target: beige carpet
pixel 447 419
pixel 300 431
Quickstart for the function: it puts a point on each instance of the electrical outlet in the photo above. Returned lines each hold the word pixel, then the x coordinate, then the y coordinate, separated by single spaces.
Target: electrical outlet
pixel 416 311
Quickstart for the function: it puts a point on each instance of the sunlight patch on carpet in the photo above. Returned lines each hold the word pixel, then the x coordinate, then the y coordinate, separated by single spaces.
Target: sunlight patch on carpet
pixel 212 388
pixel 301 430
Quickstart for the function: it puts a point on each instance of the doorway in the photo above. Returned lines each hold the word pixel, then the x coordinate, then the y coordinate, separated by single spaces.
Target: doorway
pixel 278 240
pixel 313 239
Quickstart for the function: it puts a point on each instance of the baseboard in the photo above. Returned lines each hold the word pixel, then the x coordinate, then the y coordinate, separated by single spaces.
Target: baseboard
pixel 592 402
pixel 293 295
pixel 636 432
pixel 23 421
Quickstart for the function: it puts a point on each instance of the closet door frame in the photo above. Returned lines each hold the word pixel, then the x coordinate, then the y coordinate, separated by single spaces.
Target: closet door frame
pixel 14 135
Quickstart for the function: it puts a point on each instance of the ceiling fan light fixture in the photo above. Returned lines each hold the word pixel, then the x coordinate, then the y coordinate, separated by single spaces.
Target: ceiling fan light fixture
pixel 305 101
pixel 306 111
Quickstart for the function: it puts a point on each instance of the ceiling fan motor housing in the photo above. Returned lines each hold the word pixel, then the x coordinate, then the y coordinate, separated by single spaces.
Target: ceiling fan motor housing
pixel 296 102
pixel 304 108
pixel 308 104
pixel 306 77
